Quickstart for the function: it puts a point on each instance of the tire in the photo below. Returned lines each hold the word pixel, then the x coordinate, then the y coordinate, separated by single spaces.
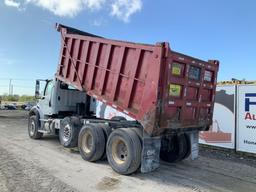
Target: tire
pixel 139 132
pixel 183 146
pixel 69 130
pixel 33 126
pixel 107 131
pixel 91 142
pixel 118 118
pixel 188 152
pixel 174 149
pixel 124 151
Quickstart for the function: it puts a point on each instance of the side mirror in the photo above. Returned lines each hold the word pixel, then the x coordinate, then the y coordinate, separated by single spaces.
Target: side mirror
pixel 37 93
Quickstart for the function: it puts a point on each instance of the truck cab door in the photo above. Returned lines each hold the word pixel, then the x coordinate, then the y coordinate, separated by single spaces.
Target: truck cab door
pixel 45 103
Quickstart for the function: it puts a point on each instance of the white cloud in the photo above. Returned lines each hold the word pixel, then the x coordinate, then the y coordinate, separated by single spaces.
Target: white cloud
pixel 12 3
pixel 122 9
pixel 68 8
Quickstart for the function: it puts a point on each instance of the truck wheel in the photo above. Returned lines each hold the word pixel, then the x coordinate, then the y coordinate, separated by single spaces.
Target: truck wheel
pixel 118 118
pixel 91 142
pixel 69 130
pixel 183 147
pixel 33 125
pixel 107 131
pixel 188 152
pixel 124 151
pixel 174 149
pixel 139 132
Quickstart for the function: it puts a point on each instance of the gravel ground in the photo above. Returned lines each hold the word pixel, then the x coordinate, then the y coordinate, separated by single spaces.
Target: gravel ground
pixel 44 165
pixel 19 175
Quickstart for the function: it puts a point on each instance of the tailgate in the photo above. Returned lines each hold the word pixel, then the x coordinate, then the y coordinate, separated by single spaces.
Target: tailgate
pixel 188 92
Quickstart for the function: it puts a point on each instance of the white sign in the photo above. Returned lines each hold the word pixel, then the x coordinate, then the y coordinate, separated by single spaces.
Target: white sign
pixel 222 131
pixel 246 118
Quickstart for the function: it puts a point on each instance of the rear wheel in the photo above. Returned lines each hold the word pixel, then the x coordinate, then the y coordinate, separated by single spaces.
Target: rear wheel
pixel 107 131
pixel 33 126
pixel 91 142
pixel 174 149
pixel 124 151
pixel 139 133
pixel 69 130
pixel 188 152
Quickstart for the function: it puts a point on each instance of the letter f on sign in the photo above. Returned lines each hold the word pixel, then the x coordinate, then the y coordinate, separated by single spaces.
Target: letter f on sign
pixel 248 102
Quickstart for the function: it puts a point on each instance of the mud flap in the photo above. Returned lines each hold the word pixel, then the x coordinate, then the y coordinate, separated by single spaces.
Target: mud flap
pixel 194 139
pixel 150 153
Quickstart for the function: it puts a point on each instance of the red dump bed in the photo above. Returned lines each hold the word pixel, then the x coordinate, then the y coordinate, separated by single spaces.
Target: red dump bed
pixel 162 89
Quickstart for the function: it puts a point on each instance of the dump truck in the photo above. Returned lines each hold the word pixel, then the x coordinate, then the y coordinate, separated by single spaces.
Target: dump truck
pixel 130 103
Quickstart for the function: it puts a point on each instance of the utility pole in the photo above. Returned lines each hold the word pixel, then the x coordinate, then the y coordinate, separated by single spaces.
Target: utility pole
pixel 10 87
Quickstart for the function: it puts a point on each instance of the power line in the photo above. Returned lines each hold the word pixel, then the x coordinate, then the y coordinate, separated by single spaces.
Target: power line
pixel 17 79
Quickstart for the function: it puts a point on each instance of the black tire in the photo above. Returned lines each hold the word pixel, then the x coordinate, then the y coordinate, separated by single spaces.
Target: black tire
pixel 124 151
pixel 33 126
pixel 91 142
pixel 107 131
pixel 69 130
pixel 188 152
pixel 118 118
pixel 174 149
pixel 139 132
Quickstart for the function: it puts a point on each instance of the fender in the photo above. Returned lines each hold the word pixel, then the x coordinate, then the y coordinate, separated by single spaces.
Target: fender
pixel 36 111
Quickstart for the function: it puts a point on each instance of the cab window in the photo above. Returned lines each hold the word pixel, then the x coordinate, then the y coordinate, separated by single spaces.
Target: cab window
pixel 66 86
pixel 48 88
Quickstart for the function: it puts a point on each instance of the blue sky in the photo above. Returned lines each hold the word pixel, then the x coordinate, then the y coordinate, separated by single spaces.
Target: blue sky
pixel 212 29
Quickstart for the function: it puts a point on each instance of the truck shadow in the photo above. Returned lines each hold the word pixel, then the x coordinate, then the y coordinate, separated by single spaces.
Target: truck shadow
pixel 204 174
pixel 48 138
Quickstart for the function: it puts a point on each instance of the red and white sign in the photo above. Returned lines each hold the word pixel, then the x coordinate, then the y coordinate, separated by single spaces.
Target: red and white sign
pixel 222 131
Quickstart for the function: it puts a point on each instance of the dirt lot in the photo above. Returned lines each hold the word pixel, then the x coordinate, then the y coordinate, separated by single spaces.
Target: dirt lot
pixel 44 165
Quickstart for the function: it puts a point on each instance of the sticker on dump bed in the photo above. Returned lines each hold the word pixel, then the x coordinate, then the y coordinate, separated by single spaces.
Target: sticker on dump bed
pixel 208 76
pixel 176 69
pixel 194 73
pixel 174 90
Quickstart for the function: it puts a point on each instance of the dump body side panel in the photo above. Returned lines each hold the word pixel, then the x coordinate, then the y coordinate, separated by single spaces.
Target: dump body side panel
pixel 121 74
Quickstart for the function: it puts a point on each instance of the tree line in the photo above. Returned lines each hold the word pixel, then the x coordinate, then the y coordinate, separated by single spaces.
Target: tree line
pixel 17 98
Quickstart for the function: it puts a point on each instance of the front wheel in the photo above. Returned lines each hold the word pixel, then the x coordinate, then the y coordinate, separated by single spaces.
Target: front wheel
pixel 124 151
pixel 33 126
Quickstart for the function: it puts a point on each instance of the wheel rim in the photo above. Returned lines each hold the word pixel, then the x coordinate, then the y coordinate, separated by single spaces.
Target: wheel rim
pixel 32 128
pixel 119 151
pixel 87 142
pixel 66 133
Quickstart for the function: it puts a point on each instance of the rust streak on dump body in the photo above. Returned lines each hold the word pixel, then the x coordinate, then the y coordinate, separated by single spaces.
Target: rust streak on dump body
pixel 162 89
